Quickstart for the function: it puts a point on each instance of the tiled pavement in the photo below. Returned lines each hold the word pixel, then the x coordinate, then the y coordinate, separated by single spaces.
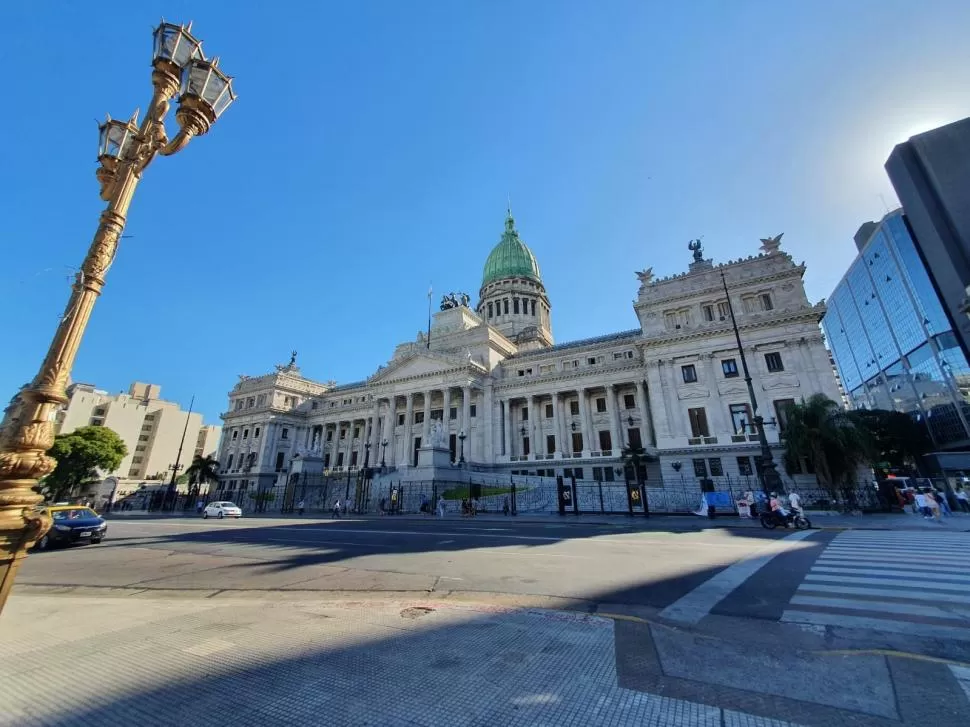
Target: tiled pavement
pixel 70 660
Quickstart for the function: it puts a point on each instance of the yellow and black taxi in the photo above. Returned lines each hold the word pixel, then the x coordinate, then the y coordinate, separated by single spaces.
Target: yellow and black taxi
pixel 72 524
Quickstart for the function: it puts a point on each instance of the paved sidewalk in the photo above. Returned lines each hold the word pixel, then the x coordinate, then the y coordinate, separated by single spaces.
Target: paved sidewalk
pixel 179 661
pixel 126 661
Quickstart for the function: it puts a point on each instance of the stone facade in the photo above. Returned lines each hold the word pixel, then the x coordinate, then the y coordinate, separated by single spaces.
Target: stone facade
pixel 674 386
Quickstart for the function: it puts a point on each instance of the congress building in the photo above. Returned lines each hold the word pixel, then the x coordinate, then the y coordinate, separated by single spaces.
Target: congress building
pixel 491 392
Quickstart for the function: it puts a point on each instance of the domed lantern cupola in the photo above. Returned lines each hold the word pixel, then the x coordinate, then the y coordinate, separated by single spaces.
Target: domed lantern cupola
pixel 512 298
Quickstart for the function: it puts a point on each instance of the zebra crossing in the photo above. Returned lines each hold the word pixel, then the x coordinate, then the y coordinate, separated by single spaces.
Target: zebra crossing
pixel 911 583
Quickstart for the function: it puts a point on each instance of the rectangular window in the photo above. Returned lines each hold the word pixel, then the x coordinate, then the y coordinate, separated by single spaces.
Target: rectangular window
pixel 598 474
pixel 773 362
pixel 144 437
pixel 629 401
pixel 285 434
pixel 525 413
pixel 525 446
pixel 343 433
pixel 744 467
pixel 606 443
pixel 730 368
pixel 698 422
pixel 533 308
pixel 279 461
pixel 330 435
pixel 419 417
pixel 782 408
pixel 578 473
pixel 740 418
pixel 547 368
pixel 689 373
pixel 437 415
pixel 700 468
pixel 472 410
pixel 400 419
pixel 141 448
pixel 749 304
pixel 601 405
pixel 245 434
pixel 506 306
pixel 453 413
pixel 766 303
pixel 608 474
pixel 574 408
pixel 550 443
pixel 708 311
pixel 353 459
pixel 633 437
pixel 575 363
pixel 256 433
pixel 515 305
pixel 326 461
pixel 229 463
pixel 715 465
pixel 489 310
pixel 548 411
pixel 723 310
pixel 340 459
pixel 356 432
pixel 577 442
pixel 235 433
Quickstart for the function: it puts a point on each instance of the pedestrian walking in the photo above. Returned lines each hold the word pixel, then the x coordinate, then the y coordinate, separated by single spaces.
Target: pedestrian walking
pixel 940 496
pixel 921 505
pixel 301 506
pixel 932 505
pixel 962 500
pixel 381 505
pixel 335 513
pixel 505 507
pixel 441 505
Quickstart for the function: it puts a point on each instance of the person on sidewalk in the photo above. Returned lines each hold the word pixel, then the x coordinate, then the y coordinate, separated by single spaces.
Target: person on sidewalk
pixel 300 506
pixel 932 505
pixel 441 505
pixel 940 496
pixel 505 507
pixel 962 500
pixel 335 513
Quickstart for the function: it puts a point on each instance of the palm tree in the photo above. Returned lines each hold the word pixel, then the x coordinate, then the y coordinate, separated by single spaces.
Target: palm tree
pixel 822 432
pixel 202 470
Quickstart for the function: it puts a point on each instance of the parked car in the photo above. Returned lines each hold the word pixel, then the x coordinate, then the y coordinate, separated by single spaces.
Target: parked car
pixel 221 510
pixel 72 524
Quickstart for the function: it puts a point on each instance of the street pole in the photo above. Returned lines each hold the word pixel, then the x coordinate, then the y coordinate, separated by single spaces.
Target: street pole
pixel 770 479
pixel 383 449
pixel 176 467
pixel 126 149
pixel 461 456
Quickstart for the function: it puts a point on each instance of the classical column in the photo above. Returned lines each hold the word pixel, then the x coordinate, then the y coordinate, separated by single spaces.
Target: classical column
pixel 718 417
pixel 334 444
pixel 489 433
pixel 426 428
pixel 446 414
pixel 658 405
pixel 677 428
pixel 406 456
pixel 535 428
pixel 466 420
pixel 584 422
pixel 375 433
pixel 646 423
pixel 507 427
pixel 556 422
pixel 616 441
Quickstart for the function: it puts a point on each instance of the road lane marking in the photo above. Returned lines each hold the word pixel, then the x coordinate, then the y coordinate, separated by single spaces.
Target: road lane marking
pixel 906 609
pixel 910 628
pixel 696 604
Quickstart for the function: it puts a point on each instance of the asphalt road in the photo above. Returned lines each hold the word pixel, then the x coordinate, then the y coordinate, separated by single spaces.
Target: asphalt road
pixel 593 564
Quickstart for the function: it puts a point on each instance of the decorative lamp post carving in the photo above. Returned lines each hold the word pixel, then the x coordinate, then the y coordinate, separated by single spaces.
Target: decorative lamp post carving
pixel 203 92
pixel 461 451
pixel 383 450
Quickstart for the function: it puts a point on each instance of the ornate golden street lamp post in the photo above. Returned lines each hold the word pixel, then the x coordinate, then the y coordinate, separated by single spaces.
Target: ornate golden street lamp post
pixel 126 148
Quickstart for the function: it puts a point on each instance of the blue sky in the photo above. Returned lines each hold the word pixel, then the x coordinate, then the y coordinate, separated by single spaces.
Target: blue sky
pixel 374 144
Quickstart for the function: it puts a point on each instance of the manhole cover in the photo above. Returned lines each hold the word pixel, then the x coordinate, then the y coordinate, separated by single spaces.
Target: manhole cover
pixel 416 612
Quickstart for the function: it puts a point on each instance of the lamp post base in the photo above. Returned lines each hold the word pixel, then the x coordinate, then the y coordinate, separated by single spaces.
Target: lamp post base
pixel 18 532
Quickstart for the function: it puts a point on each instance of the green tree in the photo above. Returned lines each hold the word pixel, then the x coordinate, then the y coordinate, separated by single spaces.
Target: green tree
pixel 822 432
pixel 203 469
pixel 898 440
pixel 634 457
pixel 79 456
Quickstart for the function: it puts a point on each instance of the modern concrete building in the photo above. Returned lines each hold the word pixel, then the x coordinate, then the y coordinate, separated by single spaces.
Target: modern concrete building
pixel 495 391
pixel 892 340
pixel 150 427
pixel 931 176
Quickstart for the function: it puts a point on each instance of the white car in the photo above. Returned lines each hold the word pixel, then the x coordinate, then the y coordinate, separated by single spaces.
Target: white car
pixel 221 510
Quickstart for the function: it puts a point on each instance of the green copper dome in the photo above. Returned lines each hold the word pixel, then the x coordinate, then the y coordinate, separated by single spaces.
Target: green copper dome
pixel 510 258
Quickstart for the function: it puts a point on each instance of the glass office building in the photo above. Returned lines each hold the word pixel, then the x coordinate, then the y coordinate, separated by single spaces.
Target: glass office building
pixel 891 340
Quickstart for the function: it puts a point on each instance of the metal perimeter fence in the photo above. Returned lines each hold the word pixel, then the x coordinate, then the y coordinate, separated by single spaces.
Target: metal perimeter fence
pixel 527 494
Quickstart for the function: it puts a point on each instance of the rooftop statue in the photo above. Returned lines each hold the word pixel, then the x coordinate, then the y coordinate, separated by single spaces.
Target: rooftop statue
pixel 697 248
pixel 645 276
pixel 770 245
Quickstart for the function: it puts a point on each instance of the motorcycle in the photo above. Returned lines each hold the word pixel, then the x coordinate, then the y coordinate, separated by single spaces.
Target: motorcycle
pixel 771 520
